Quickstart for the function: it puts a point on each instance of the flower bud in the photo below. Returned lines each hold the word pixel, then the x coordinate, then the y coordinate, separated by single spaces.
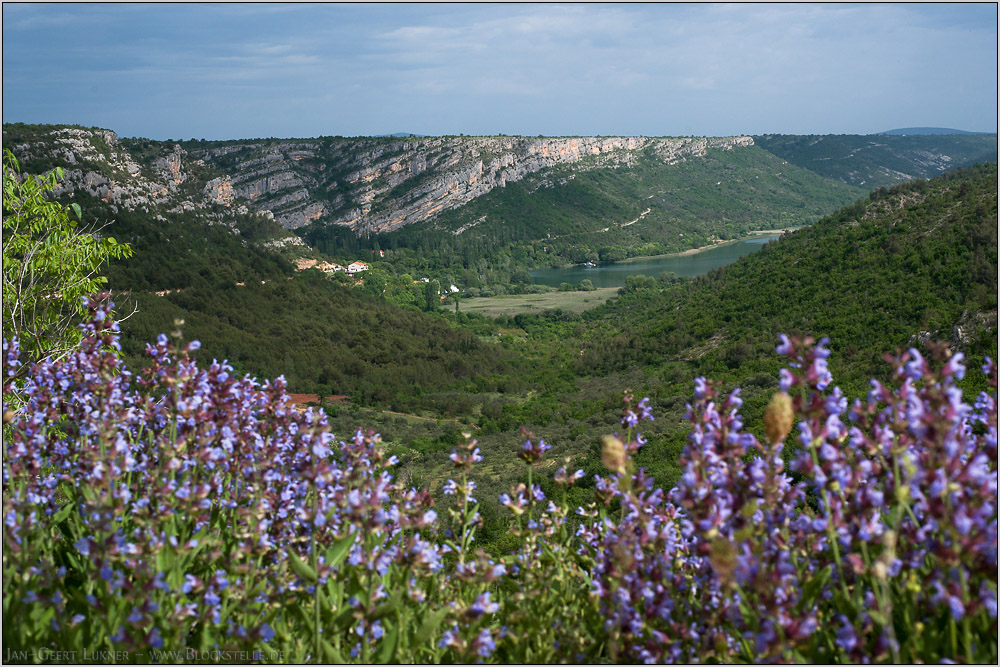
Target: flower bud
pixel 778 417
pixel 889 540
pixel 724 558
pixel 613 454
pixel 623 556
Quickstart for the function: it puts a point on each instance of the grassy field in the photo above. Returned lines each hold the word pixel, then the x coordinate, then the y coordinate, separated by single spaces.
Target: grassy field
pixel 513 304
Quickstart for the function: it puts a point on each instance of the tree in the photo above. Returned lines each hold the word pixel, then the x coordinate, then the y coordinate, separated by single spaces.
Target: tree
pixel 431 291
pixel 50 263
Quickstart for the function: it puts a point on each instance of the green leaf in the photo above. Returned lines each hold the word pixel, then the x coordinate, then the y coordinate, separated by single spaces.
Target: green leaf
pixel 165 559
pixel 388 648
pixel 301 568
pixel 390 606
pixel 331 654
pixel 306 616
pixel 336 554
pixel 345 619
pixel 430 625
pixel 63 512
pixel 815 584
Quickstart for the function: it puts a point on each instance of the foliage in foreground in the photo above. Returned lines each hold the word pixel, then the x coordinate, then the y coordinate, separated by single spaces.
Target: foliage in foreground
pixel 49 262
pixel 187 512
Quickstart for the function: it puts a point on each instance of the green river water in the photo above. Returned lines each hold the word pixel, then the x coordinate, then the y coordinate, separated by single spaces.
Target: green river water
pixel 614 274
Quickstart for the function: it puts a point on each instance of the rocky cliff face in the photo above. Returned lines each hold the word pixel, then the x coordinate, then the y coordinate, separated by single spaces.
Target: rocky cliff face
pixel 381 185
pixel 160 181
pixel 368 184
pixel 95 165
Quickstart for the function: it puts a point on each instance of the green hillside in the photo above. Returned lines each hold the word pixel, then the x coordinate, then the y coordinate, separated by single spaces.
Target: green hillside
pixel 920 257
pixel 571 214
pixel 916 263
pixel 874 161
pixel 189 253
pixel 323 338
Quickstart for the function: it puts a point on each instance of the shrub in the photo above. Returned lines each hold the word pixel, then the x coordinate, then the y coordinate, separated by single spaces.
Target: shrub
pixel 187 513
pixel 49 262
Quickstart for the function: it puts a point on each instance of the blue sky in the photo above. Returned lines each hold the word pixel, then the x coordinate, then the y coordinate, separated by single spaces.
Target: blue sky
pixel 219 71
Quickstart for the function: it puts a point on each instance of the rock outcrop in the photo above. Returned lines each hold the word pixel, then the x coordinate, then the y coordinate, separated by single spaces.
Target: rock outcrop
pixel 170 181
pixel 171 166
pixel 220 190
pixel 381 185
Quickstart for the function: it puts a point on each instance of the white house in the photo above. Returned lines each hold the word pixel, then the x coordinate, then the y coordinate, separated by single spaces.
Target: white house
pixel 356 267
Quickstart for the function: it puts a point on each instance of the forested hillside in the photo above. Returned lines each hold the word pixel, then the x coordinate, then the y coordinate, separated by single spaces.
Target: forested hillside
pixel 192 232
pixel 913 264
pixel 570 214
pixel 917 260
pixel 877 160
pixel 324 338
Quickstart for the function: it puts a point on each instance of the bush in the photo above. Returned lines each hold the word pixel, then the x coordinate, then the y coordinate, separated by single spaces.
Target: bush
pixel 49 263
pixel 188 510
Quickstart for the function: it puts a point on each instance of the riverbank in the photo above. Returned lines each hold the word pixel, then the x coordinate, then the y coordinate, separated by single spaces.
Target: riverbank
pixel 771 232
pixel 718 244
pixel 688 263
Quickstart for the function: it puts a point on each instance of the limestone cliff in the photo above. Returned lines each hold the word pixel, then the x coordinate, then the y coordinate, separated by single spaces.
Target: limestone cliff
pixel 381 185
pixel 135 175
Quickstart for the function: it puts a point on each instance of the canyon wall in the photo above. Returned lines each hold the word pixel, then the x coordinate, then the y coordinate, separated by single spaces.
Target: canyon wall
pixel 372 184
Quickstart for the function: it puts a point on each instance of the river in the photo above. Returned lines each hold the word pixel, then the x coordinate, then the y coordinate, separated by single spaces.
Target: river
pixel 681 264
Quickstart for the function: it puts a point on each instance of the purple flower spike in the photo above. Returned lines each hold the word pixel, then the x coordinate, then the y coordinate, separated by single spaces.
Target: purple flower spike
pixel 785 347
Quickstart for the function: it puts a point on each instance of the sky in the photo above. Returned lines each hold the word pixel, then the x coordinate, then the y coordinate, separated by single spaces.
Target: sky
pixel 242 70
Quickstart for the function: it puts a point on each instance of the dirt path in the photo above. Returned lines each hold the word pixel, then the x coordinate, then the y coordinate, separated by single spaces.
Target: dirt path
pixel 641 216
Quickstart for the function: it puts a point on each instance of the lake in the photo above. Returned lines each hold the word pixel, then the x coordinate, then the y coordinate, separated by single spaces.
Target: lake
pixel 614 274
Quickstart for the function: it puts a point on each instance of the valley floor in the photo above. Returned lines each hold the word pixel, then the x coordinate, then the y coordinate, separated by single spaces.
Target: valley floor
pixel 514 304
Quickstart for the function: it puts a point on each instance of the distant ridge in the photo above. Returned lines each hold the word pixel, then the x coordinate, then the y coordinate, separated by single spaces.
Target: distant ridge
pixel 399 135
pixel 929 130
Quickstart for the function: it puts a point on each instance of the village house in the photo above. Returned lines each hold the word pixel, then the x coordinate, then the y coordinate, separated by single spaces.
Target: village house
pixel 330 267
pixel 325 267
pixel 356 267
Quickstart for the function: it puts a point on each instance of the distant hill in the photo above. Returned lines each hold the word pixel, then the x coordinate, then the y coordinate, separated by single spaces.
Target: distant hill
pixel 401 135
pixel 914 262
pixel 881 160
pixel 908 265
pixel 477 212
pixel 928 130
